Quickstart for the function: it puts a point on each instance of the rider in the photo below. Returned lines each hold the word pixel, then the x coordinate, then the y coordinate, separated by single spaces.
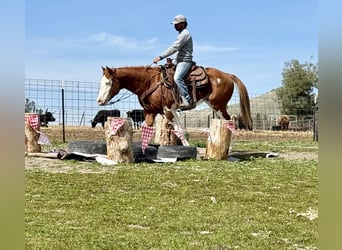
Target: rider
pixel 184 48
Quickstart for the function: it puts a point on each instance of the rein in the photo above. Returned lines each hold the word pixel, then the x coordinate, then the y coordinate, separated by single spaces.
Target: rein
pixel 149 91
pixel 120 99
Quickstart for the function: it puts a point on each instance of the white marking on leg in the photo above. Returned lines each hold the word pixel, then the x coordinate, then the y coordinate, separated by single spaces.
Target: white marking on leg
pixel 218 113
pixel 176 118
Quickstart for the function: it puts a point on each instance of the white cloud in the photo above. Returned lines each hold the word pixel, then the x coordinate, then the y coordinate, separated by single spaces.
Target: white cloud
pixel 43 46
pixel 213 48
pixel 122 41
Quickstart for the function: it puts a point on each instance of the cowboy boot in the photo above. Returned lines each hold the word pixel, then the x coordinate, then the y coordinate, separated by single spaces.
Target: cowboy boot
pixel 187 104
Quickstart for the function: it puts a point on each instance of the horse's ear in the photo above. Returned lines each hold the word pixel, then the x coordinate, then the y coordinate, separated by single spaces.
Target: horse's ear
pixel 110 70
pixel 102 68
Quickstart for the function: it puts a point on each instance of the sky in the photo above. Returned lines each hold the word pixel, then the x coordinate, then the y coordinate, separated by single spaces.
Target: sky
pixel 72 39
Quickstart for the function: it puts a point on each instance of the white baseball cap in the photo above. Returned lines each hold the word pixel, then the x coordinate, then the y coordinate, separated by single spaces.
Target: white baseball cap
pixel 179 19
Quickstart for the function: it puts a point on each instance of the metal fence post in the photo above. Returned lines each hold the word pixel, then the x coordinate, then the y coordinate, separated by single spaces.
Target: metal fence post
pixel 63 123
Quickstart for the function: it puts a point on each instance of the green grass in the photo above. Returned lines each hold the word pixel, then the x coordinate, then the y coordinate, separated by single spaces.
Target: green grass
pixel 291 145
pixel 255 204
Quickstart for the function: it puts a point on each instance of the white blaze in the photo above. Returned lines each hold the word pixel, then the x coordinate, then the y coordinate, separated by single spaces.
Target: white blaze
pixel 105 86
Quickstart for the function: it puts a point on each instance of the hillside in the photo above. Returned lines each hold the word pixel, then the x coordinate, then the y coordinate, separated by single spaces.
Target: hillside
pixel 266 104
pixel 263 108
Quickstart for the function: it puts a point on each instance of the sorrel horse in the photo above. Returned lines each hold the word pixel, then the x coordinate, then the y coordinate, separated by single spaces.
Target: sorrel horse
pixel 157 98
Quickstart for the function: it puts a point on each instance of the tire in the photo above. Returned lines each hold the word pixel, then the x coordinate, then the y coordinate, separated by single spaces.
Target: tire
pixel 88 147
pixel 177 151
pixel 151 152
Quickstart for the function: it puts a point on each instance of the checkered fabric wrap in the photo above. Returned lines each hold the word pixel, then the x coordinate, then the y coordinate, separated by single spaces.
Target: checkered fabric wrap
pixel 33 121
pixel 146 135
pixel 43 139
pixel 180 134
pixel 230 125
pixel 115 125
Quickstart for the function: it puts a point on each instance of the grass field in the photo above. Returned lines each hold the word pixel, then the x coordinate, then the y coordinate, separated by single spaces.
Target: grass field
pixel 261 203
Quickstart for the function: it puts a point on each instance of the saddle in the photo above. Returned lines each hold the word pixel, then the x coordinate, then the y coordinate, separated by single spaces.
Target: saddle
pixel 197 75
pixel 196 78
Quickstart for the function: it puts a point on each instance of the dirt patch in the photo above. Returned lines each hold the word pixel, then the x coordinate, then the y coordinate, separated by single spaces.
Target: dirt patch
pixel 66 166
pixel 287 155
pixel 85 133
pixel 73 133
pixel 300 156
pixel 61 166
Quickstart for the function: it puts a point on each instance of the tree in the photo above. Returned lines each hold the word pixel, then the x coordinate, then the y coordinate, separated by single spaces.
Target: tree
pixel 296 94
pixel 30 106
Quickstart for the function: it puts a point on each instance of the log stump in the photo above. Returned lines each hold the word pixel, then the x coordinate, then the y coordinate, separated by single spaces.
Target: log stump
pixel 32 133
pixel 218 140
pixel 119 142
pixel 164 132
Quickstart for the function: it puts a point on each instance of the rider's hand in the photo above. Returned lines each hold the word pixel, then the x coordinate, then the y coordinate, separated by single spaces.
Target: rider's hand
pixel 157 59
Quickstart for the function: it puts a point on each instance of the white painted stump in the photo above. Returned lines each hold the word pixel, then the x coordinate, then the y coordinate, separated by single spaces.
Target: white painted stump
pixel 119 145
pixel 218 140
pixel 164 132
pixel 32 135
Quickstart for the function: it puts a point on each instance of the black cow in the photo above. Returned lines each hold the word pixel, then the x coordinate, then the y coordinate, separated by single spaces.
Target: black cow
pixel 46 118
pixel 238 122
pixel 137 116
pixel 101 116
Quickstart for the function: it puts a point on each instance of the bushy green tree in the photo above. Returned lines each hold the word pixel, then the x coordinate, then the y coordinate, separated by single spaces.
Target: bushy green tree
pixel 30 106
pixel 299 80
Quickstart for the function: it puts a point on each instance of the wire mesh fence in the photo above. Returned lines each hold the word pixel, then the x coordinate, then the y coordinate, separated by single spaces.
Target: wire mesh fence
pixel 73 104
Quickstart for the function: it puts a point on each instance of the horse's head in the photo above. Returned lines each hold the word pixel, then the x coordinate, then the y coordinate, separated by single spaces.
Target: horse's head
pixel 109 86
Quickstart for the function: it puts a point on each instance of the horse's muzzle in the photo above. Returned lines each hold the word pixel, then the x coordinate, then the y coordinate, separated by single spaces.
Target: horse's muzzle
pixel 100 102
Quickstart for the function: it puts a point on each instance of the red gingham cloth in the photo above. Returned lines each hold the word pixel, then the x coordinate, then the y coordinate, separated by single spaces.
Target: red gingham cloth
pixel 115 125
pixel 146 135
pixel 180 134
pixel 229 124
pixel 33 121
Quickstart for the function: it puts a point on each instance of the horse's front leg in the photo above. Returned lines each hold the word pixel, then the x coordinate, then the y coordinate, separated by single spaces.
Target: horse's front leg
pixel 149 119
pixel 174 117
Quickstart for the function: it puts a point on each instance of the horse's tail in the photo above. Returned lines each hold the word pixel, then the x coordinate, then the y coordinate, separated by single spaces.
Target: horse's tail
pixel 244 103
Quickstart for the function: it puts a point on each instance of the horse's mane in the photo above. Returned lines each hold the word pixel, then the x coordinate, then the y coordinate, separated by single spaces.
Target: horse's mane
pixel 146 67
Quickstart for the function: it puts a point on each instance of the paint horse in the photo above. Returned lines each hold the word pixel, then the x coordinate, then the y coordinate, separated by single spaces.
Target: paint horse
pixel 157 97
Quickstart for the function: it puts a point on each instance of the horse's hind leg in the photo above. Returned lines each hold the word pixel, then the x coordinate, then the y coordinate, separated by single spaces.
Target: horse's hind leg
pixel 221 112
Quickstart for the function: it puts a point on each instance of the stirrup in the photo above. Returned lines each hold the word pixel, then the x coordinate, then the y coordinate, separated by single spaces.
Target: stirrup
pixel 189 106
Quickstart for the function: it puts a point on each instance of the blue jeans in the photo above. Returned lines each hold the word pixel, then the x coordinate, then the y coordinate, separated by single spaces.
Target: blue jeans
pixel 182 69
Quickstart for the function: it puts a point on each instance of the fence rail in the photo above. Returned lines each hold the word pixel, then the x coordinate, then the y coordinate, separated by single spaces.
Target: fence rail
pixel 75 101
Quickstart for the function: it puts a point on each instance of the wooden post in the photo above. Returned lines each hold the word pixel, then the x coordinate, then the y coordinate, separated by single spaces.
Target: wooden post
pixel 32 135
pixel 164 132
pixel 218 140
pixel 119 145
